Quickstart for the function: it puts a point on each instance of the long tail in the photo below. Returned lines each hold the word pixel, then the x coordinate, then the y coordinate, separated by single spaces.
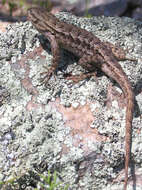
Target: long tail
pixel 114 70
pixel 128 136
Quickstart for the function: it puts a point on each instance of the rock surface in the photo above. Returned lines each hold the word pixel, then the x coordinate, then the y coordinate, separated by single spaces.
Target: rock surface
pixel 77 130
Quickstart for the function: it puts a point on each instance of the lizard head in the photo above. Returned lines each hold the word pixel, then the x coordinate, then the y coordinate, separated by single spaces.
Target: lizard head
pixel 42 19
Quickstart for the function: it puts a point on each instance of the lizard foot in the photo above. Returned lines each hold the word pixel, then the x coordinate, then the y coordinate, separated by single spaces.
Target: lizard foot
pixel 77 78
pixel 47 75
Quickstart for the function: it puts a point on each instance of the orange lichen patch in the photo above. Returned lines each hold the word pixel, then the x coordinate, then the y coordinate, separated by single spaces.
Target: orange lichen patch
pixel 139 180
pixel 26 82
pixel 113 94
pixel 3 26
pixel 65 149
pixel 139 131
pixel 137 177
pixel 79 120
pixel 29 86
pixel 32 105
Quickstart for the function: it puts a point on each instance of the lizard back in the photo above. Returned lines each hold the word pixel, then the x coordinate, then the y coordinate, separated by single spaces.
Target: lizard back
pixel 91 49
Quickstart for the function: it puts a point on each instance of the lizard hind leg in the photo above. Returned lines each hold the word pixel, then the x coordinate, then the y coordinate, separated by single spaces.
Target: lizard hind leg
pixel 118 52
pixel 85 63
pixel 82 76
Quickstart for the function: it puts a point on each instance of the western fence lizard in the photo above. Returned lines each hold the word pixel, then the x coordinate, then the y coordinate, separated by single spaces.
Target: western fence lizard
pixel 91 50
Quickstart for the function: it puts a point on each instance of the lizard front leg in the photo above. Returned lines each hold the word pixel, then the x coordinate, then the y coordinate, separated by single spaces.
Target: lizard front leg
pixel 56 55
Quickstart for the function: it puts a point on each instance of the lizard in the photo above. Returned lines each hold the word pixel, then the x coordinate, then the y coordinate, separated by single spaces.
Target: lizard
pixel 91 51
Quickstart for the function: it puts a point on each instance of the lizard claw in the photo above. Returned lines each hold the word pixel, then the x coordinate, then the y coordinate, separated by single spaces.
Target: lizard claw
pixel 47 75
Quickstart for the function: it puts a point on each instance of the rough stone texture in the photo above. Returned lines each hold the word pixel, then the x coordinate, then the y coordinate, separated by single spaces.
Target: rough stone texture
pixel 77 130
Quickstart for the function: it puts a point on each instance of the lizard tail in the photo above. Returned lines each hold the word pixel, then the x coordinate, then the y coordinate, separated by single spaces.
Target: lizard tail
pixel 129 117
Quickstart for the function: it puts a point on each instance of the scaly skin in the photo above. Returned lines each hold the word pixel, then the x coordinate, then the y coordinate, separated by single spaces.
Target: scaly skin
pixel 91 51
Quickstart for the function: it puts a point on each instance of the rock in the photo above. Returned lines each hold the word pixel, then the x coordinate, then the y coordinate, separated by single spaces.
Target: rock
pixel 61 126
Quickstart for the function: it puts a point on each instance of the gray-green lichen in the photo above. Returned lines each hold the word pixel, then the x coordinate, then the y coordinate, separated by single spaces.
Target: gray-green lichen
pixel 29 137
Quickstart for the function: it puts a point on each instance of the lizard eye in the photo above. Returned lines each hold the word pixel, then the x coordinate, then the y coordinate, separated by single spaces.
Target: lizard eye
pixel 35 21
